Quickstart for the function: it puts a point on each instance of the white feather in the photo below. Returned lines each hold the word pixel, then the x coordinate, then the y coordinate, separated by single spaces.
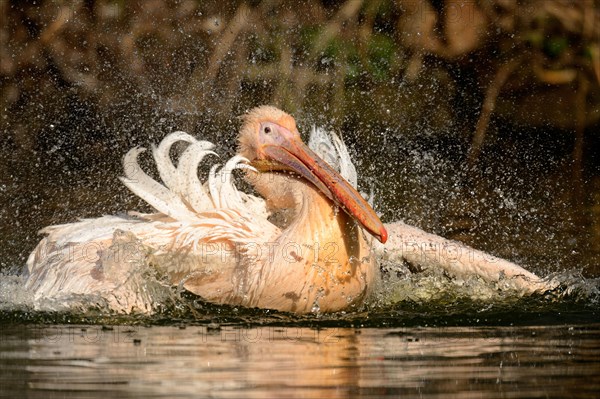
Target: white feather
pixel 332 149
pixel 154 193
pixel 81 263
pixel 188 183
pixel 347 169
pixel 162 157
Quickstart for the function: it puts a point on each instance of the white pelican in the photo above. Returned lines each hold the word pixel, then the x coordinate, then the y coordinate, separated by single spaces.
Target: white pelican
pixel 308 246
pixel 217 241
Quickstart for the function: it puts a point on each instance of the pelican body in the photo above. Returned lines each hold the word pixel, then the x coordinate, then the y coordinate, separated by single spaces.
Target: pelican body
pixel 308 244
pixel 306 247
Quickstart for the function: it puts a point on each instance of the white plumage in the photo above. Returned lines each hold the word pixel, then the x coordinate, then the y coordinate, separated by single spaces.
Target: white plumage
pixel 71 266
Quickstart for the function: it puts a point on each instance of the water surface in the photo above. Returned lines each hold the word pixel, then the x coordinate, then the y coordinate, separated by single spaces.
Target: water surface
pixel 292 361
pixel 523 347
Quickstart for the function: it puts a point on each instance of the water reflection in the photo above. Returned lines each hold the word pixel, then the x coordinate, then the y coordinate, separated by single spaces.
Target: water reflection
pixel 122 361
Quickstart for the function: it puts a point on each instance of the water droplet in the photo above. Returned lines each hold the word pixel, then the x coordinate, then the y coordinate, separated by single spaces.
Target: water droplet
pixel 315 308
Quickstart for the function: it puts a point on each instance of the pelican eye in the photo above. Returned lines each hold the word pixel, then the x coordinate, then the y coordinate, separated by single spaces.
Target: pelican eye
pixel 267 130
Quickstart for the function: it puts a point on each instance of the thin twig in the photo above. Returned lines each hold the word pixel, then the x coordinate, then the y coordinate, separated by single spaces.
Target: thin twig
pixel 580 122
pixel 230 33
pixel 489 104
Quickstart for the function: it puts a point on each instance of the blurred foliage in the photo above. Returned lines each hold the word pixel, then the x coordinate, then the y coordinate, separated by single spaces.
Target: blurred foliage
pixel 193 56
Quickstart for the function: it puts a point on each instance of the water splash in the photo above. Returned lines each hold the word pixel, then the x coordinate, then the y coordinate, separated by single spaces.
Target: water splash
pixel 403 296
pixel 402 284
pixel 12 295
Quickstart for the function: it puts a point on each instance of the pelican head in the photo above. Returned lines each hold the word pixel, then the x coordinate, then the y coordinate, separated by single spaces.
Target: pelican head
pixel 270 140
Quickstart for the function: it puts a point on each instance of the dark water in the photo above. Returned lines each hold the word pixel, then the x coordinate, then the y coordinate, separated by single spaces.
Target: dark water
pixel 303 359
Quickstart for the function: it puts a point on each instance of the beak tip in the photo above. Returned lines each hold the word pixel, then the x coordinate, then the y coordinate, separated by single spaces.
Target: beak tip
pixel 383 235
